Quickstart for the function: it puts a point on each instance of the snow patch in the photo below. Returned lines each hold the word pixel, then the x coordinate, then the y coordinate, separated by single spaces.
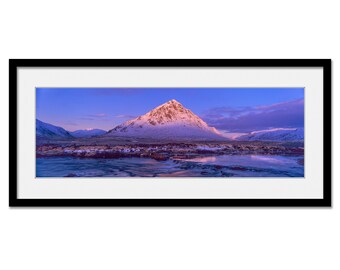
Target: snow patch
pixel 276 134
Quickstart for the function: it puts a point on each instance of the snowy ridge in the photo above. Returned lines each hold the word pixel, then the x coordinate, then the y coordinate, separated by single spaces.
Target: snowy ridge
pixel 170 120
pixel 45 130
pixel 277 134
pixel 87 133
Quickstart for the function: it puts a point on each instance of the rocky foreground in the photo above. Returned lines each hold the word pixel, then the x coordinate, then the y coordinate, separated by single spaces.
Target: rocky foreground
pixel 162 152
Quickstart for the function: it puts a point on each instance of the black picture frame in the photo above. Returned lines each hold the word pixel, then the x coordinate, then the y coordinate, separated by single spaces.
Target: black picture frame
pixel 14 64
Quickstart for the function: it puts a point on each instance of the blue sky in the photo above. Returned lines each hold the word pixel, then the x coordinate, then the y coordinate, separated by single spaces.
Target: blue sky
pixel 228 109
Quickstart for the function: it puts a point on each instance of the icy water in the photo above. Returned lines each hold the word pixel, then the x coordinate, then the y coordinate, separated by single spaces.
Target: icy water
pixel 211 166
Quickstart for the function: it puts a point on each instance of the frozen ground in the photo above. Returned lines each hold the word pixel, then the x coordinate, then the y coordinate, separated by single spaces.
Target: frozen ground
pixel 144 158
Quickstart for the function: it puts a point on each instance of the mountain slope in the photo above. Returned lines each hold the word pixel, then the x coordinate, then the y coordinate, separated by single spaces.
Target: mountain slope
pixel 45 130
pixel 170 120
pixel 278 134
pixel 87 133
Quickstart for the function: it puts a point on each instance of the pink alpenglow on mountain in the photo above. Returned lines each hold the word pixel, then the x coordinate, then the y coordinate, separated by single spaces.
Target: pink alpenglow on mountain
pixel 170 120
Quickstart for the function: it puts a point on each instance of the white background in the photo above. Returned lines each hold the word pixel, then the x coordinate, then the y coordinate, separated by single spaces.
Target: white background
pixel 168 238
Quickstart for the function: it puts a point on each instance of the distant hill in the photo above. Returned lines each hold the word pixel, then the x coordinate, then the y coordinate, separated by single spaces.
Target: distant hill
pixel 48 131
pixel 87 133
pixel 277 134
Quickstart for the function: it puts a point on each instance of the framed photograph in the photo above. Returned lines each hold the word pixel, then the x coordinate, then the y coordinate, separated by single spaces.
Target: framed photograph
pixel 170 133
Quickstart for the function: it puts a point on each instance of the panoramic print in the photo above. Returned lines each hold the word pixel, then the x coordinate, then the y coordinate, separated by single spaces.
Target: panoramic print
pixel 169 132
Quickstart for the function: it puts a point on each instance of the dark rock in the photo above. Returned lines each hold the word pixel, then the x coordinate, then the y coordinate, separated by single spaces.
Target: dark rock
pixel 238 168
pixel 159 157
pixel 71 175
pixel 301 161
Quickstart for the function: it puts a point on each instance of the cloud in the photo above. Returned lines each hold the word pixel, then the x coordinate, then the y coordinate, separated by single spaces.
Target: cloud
pixel 221 112
pixel 125 116
pixel 92 117
pixel 246 119
pixel 103 117
pixel 86 118
pixel 98 115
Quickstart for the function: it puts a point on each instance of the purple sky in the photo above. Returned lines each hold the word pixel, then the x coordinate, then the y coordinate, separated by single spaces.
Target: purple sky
pixel 228 109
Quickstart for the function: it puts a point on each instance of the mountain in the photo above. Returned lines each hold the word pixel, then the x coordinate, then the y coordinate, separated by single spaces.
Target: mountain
pixel 87 133
pixel 277 134
pixel 45 130
pixel 170 120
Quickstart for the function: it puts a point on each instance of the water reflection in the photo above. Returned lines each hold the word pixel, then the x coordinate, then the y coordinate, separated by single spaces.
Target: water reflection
pixel 208 166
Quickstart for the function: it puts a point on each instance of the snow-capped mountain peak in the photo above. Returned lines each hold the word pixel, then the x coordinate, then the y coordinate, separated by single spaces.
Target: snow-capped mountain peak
pixel 170 120
pixel 172 112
